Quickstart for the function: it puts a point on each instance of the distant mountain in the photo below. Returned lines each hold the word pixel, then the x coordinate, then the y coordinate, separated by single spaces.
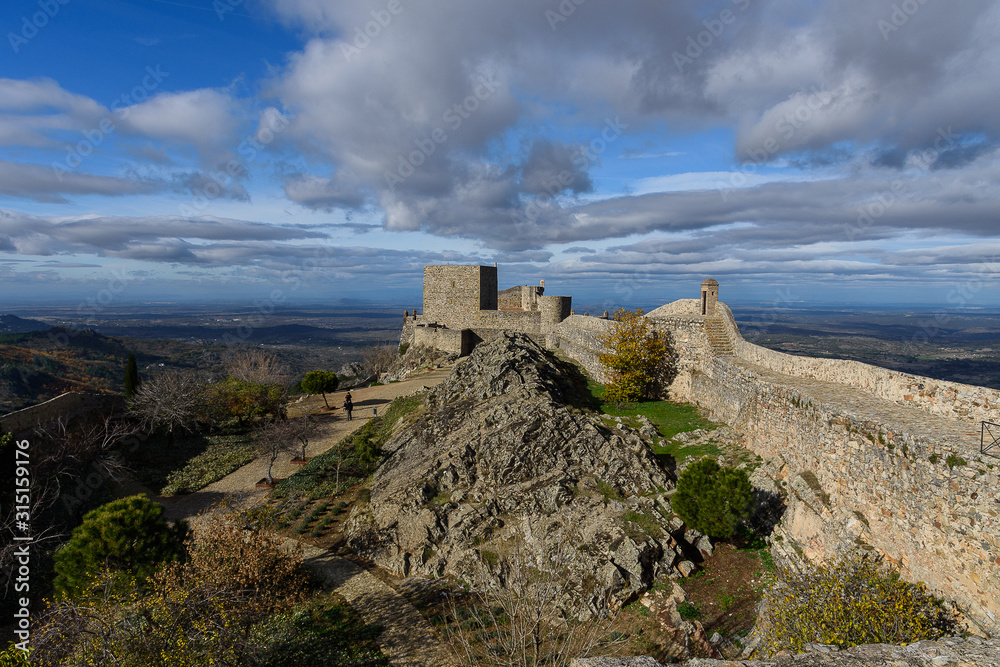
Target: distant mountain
pixel 15 324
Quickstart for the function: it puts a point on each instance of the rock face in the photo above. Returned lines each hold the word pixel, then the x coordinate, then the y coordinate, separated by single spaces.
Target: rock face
pixel 503 449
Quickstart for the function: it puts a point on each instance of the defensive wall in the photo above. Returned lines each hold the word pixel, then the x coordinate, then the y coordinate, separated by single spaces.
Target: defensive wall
pixel 868 456
pixel 463 307
pixel 68 406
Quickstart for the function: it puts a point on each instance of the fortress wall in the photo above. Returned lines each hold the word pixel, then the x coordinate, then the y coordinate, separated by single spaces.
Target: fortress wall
pixel 952 399
pixel 510 298
pixel 454 341
pixel 453 295
pixel 529 322
pixel 938 525
pixel 68 405
pixel 579 337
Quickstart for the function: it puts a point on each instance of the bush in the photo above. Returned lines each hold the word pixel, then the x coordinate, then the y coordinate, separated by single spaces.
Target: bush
pixel 711 499
pixel 850 602
pixel 128 536
pixel 642 361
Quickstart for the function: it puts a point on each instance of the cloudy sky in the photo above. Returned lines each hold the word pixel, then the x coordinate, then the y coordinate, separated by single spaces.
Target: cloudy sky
pixel 839 150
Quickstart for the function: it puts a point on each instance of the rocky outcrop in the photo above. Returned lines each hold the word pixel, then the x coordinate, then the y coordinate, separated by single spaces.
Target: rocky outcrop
pixel 506 448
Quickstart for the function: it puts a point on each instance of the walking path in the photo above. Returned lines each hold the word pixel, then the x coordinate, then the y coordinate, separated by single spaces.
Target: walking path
pixel 408 640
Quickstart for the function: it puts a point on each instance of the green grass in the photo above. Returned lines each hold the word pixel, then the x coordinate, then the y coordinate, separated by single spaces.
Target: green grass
pixel 669 417
pixel 646 522
pixel 191 463
pixel 318 477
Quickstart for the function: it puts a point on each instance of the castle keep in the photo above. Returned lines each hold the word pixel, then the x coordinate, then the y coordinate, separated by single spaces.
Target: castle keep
pixel 867 456
pixel 462 307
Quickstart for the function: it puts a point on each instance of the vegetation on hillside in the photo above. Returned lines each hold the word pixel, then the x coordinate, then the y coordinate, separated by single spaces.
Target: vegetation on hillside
pixel 239 598
pixel 851 601
pixel 712 499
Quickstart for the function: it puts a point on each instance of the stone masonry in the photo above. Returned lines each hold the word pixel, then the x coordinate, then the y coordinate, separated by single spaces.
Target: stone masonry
pixel 895 457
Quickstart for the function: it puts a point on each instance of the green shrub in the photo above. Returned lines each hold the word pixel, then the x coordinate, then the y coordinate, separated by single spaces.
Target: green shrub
pixel 127 535
pixel 852 601
pixel 953 461
pixel 688 611
pixel 711 499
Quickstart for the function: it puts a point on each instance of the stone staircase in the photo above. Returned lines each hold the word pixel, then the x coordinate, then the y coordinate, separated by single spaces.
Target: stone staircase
pixel 718 337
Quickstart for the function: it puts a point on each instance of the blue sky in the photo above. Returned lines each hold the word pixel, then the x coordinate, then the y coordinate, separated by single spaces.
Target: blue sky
pixel 832 150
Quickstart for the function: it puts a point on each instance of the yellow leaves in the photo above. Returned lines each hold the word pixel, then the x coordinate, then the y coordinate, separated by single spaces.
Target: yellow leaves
pixel 850 602
pixel 641 362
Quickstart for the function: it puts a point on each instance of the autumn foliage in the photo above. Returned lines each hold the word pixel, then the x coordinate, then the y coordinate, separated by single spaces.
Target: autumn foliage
pixel 641 361
pixel 855 600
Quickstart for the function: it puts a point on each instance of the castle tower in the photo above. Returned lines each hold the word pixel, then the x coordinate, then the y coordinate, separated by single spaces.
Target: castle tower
pixel 709 296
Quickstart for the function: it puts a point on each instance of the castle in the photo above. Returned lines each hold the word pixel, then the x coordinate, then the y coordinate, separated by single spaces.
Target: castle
pixel 868 456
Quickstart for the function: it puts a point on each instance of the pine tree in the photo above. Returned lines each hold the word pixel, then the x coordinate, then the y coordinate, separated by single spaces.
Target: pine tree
pixel 320 382
pixel 132 380
pixel 712 499
pixel 128 535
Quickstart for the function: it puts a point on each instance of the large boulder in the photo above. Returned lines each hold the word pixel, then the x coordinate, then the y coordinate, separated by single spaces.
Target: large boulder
pixel 506 451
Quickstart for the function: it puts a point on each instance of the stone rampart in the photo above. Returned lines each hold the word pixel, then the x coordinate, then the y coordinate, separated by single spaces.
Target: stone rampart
pixel 907 482
pixel 65 406
pixel 961 401
pixel 453 341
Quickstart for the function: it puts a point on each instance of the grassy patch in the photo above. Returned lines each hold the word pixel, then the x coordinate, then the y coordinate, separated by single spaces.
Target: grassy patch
pixel 669 417
pixel 646 522
pixel 608 491
pixel 318 477
pixel 191 463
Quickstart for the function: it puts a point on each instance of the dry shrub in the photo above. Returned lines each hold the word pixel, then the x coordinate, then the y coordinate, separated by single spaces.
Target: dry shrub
pixel 525 610
pixel 204 611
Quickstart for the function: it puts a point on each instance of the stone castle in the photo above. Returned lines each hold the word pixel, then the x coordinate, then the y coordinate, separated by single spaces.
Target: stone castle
pixel 869 456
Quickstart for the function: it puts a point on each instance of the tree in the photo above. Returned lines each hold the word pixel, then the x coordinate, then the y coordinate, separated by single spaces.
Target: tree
pixel 274 438
pixel 247 401
pixel 132 379
pixel 251 364
pixel 712 499
pixel 851 601
pixel 376 359
pixel 642 362
pixel 128 536
pixel 205 610
pixel 320 382
pixel 171 400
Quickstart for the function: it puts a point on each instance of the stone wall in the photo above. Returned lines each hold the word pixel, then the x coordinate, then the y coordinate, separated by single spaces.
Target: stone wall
pixel 453 341
pixel 453 295
pixel 953 399
pixel 66 406
pixel 883 474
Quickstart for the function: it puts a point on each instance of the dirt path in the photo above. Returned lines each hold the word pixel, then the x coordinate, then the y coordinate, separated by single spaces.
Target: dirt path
pixel 408 640
pixel 240 485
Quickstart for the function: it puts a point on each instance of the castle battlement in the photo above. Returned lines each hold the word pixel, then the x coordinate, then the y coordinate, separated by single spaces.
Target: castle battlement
pixel 896 456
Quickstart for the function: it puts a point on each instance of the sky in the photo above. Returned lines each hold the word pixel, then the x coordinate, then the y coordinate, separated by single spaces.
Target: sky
pixel 287 151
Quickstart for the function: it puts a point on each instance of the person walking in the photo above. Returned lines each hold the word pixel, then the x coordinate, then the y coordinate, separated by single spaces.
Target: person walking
pixel 348 405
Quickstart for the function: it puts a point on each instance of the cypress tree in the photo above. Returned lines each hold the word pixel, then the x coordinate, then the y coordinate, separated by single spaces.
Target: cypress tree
pixel 132 380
